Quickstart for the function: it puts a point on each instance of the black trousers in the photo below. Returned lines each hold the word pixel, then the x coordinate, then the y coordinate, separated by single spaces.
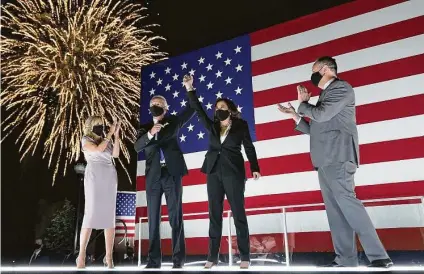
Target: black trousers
pixel 172 187
pixel 233 187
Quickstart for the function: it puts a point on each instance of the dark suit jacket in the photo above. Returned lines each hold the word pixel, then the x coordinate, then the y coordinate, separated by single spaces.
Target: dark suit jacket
pixel 168 142
pixel 332 128
pixel 229 151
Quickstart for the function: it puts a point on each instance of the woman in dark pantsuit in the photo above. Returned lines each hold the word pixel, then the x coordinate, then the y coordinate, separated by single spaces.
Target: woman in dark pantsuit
pixel 226 175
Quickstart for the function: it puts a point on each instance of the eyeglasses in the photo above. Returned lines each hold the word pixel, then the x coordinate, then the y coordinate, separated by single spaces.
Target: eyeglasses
pixel 328 66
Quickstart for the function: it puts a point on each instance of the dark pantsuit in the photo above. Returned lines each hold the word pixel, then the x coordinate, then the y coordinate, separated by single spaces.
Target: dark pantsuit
pixel 218 186
pixel 172 187
pixel 226 175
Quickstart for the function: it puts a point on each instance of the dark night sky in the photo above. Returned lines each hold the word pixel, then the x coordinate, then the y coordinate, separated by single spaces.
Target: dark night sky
pixel 187 25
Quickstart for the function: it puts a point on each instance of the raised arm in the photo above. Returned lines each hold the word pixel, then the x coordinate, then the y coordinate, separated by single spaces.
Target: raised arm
pixel 195 104
pixel 333 102
pixel 185 115
pixel 249 148
pixel 203 116
pixel 116 142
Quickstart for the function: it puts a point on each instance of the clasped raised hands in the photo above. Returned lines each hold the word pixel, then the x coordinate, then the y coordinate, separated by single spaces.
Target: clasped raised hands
pixel 188 82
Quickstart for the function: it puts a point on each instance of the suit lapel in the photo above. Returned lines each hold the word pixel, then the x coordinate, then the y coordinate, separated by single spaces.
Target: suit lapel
pixel 217 127
pixel 323 92
pixel 166 123
pixel 233 128
pixel 217 130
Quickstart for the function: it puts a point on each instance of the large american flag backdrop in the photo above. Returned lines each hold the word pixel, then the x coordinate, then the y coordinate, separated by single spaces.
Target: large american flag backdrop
pixel 379 49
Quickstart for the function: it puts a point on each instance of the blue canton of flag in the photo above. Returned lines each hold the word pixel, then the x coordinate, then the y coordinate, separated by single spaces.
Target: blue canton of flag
pixel 125 204
pixel 219 71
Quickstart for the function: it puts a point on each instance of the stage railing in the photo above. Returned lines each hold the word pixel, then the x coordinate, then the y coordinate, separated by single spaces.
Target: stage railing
pixel 284 212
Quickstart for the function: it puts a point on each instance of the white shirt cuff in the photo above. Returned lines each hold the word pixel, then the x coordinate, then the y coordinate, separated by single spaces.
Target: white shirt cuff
pixel 298 120
pixel 150 136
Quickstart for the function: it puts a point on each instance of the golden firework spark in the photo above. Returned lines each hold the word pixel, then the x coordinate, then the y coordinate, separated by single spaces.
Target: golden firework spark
pixel 65 60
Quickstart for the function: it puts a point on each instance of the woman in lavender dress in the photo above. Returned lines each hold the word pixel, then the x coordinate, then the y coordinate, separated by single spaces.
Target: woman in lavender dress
pixel 100 185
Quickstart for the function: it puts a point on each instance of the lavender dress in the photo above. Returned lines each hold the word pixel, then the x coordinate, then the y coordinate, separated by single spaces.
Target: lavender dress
pixel 100 188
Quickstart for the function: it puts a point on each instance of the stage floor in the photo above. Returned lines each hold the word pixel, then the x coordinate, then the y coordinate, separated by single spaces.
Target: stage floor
pixel 198 268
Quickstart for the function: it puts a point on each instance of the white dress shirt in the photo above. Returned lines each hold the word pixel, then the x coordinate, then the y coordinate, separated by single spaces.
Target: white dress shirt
pixel 222 137
pixel 328 83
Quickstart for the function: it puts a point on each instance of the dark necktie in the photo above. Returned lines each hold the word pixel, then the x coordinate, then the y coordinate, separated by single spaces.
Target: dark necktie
pixel 162 157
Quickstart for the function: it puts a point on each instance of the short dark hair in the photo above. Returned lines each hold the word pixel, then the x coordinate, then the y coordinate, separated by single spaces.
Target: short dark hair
pixel 328 61
pixel 231 107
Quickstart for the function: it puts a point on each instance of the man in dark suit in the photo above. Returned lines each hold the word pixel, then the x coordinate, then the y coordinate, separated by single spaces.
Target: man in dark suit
pixel 165 167
pixel 334 150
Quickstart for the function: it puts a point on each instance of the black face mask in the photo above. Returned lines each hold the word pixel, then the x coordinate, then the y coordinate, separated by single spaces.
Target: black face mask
pixel 222 115
pixel 316 78
pixel 156 111
pixel 98 130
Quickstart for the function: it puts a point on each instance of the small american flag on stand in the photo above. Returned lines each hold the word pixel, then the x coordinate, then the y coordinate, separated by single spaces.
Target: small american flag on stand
pixel 125 214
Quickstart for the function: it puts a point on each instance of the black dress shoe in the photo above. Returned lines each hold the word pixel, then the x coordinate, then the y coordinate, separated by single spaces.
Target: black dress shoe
pixel 386 263
pixel 333 264
pixel 152 266
pixel 177 265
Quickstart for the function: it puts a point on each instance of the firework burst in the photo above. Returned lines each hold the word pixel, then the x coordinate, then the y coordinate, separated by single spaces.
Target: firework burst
pixel 65 60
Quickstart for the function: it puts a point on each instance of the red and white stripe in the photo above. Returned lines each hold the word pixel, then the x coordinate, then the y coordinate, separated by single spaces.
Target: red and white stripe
pixel 379 49
pixel 120 228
